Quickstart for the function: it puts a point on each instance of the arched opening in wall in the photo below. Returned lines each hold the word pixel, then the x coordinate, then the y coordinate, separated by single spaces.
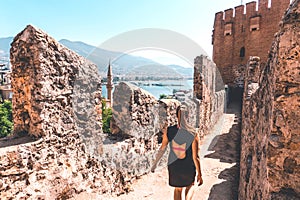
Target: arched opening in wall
pixel 235 95
pixel 242 52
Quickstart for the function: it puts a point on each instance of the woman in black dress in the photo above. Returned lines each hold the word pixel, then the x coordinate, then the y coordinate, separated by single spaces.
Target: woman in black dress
pixel 183 160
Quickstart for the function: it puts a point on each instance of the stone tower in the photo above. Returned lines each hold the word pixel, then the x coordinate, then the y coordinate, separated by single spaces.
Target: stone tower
pixel 109 86
pixel 243 32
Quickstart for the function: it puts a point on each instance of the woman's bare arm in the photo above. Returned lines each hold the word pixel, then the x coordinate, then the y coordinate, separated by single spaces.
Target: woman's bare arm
pixel 196 159
pixel 161 150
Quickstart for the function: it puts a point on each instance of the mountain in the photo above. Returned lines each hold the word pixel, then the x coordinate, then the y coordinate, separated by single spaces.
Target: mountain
pixel 4 50
pixel 123 64
pixel 184 71
pixel 154 71
pixel 5 44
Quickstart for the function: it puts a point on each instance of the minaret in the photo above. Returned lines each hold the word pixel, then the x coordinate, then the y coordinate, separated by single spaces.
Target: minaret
pixel 109 85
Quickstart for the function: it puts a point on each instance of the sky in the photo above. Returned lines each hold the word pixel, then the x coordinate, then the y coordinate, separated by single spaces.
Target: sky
pixel 96 21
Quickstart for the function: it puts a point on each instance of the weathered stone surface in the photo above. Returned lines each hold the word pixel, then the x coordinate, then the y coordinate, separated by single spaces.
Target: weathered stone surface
pixel 283 158
pixel 132 157
pixel 256 118
pixel 55 91
pixel 167 112
pixel 209 94
pixel 135 111
pixel 133 153
pixel 270 162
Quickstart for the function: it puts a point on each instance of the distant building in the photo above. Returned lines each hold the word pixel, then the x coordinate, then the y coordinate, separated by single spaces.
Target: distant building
pixel 5 83
pixel 109 86
pixel 182 95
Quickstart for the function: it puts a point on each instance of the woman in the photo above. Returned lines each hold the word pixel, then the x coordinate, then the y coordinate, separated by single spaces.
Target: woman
pixel 183 160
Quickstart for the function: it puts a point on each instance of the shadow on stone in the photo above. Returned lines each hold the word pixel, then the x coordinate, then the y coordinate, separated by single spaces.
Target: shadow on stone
pixel 226 148
pixel 285 194
pixel 20 138
pixel 230 185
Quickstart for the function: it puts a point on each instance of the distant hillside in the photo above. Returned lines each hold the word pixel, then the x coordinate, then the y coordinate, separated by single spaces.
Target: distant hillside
pixel 126 64
pixel 155 71
pixel 5 44
pixel 184 71
pixel 4 50
pixel 123 64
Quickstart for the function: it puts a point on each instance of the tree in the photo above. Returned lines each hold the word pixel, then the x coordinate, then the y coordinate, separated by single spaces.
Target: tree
pixel 162 96
pixel 106 117
pixel 6 124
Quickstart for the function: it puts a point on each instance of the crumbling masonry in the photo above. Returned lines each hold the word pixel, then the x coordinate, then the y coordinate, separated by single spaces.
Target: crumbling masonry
pixel 270 146
pixel 56 96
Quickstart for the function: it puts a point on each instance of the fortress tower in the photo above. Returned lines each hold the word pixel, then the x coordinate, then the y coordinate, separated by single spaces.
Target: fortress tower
pixel 243 32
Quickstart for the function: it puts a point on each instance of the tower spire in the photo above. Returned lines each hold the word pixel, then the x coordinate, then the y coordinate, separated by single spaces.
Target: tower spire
pixel 109 84
pixel 109 71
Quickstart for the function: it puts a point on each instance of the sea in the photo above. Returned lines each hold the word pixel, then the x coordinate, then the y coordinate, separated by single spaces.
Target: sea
pixel 156 88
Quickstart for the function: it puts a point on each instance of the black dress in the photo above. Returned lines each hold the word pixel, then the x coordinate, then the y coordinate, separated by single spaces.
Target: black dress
pixel 182 171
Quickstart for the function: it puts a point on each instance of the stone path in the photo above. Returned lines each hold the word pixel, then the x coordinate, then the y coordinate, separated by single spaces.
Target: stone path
pixel 219 163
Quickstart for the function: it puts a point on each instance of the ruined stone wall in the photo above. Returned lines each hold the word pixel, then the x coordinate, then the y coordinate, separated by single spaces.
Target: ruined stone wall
pixel 218 106
pixel 55 90
pixel 131 156
pixel 55 94
pixel 135 111
pixel 270 162
pixel 209 92
pixel 284 140
pixel 167 112
pixel 237 35
pixel 256 120
pixel 137 120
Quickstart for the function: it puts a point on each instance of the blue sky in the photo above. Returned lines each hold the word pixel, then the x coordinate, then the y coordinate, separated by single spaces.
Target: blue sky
pixel 95 21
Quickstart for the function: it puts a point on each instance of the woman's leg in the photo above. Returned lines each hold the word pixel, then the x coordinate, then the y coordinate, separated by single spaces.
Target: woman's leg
pixel 189 192
pixel 177 193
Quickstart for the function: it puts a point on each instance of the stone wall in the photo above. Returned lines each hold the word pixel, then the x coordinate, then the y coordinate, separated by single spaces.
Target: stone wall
pixel 270 163
pixel 284 141
pixel 167 112
pixel 209 93
pixel 55 94
pixel 137 120
pixel 55 90
pixel 132 156
pixel 135 111
pixel 256 120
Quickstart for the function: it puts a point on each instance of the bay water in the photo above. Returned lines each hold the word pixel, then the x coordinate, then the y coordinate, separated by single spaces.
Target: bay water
pixel 156 88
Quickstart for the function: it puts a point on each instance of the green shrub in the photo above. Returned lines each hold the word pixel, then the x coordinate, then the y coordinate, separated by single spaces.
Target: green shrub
pixel 6 124
pixel 162 96
pixel 106 117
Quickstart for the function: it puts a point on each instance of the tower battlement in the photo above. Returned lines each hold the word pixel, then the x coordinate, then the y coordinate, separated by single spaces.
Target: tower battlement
pixel 244 31
pixel 250 9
